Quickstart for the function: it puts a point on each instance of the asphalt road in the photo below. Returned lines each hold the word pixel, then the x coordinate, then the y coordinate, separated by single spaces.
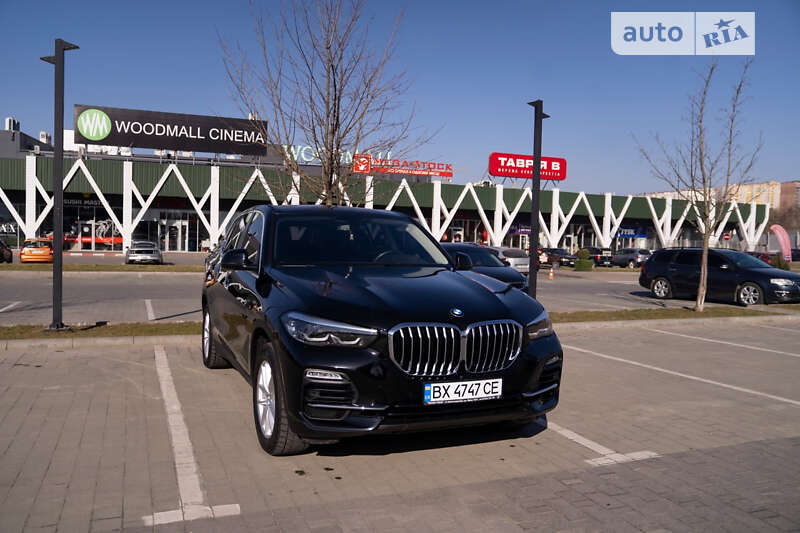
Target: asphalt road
pixel 683 428
pixel 138 297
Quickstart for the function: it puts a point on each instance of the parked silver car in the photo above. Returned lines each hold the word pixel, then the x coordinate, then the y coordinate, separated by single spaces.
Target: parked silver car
pixel 630 257
pixel 143 252
pixel 515 257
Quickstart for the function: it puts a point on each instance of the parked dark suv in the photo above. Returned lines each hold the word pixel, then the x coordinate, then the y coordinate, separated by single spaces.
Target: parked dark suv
pixel 354 321
pixel 732 276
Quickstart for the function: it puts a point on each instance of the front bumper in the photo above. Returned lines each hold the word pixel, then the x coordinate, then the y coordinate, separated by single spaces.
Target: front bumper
pixel 381 398
pixel 783 293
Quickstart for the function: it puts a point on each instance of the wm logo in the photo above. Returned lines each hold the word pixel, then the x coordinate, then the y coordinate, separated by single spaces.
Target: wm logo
pixel 94 124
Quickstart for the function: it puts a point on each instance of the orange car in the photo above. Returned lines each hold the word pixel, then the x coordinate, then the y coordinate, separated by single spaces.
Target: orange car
pixel 36 251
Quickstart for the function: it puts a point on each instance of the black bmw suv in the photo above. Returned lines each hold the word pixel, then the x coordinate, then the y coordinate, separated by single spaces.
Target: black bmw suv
pixel 732 276
pixel 353 321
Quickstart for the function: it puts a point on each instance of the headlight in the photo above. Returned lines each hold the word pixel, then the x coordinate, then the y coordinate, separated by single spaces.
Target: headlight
pixel 783 282
pixel 321 332
pixel 540 327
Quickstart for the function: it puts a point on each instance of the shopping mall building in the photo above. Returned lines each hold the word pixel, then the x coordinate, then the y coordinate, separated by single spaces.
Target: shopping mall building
pixel 184 203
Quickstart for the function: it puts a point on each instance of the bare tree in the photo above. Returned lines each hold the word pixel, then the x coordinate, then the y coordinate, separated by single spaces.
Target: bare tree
pixel 704 170
pixel 320 80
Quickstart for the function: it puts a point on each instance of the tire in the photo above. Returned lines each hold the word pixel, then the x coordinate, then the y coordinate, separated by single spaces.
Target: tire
pixel 749 294
pixel 661 288
pixel 276 438
pixel 631 264
pixel 211 357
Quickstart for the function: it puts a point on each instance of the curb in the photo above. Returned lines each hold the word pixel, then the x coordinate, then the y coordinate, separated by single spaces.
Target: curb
pixel 83 342
pixel 580 326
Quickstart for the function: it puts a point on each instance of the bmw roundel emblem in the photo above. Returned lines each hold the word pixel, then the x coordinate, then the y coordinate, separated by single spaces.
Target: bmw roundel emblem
pixel 456 312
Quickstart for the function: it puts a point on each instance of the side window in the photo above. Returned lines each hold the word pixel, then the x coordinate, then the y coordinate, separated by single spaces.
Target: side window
pixel 252 238
pixel 715 261
pixel 688 257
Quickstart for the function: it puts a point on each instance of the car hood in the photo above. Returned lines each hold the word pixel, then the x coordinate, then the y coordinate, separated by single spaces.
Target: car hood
pixel 776 273
pixel 504 273
pixel 383 297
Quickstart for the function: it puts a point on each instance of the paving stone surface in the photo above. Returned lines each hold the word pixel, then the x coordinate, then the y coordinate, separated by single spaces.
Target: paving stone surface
pixel 85 446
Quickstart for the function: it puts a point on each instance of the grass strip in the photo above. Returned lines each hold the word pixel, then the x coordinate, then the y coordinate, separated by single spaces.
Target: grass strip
pixel 653 314
pixel 104 330
pixel 79 267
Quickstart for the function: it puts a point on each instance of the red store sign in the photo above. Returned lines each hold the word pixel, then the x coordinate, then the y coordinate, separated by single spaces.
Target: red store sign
pixel 521 166
pixel 364 164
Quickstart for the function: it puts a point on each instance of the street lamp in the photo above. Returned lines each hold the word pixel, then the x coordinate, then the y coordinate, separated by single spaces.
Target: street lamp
pixel 58 177
pixel 538 116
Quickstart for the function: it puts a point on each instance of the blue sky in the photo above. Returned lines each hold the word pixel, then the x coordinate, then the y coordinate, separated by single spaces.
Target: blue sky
pixel 474 65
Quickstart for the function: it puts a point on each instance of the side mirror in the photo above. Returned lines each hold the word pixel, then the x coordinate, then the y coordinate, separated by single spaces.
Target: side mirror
pixel 463 262
pixel 235 259
pixel 506 262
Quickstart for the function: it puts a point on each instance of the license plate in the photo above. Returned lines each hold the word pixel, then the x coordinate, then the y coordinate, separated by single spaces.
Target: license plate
pixel 463 391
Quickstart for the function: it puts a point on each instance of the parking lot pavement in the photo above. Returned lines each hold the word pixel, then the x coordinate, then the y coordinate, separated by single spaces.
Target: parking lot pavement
pixel 122 296
pixel 666 429
pixel 96 296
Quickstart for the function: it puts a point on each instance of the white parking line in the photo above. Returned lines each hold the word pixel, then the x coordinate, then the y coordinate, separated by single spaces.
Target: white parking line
pixel 608 456
pixel 687 376
pixel 9 306
pixel 191 495
pixel 749 347
pixel 150 314
pixel 790 330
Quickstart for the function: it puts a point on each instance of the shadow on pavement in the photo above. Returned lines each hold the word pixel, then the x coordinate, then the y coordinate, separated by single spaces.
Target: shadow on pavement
pixel 401 443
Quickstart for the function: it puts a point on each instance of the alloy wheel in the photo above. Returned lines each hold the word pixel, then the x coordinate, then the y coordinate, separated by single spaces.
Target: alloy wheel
pixel 660 288
pixel 749 295
pixel 265 399
pixel 206 335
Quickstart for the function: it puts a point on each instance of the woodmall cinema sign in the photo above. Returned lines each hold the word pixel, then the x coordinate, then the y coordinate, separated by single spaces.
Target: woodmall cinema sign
pixel 521 166
pixel 366 164
pixel 114 126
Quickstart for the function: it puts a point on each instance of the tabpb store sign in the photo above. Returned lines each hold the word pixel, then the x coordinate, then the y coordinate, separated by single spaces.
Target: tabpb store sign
pixel 683 33
pixel 114 126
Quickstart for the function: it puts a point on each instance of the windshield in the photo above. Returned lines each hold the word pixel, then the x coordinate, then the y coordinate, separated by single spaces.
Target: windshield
pixel 37 244
pixel 355 239
pixel 478 256
pixel 743 260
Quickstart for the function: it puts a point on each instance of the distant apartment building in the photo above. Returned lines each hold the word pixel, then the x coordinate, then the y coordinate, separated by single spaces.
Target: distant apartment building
pixel 779 195
pixel 790 194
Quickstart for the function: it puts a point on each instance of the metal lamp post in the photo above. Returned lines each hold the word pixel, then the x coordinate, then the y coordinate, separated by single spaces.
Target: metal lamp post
pixel 538 116
pixel 58 177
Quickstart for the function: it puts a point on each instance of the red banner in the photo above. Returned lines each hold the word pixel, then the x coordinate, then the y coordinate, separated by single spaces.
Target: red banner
pixel 364 164
pixel 783 241
pixel 521 166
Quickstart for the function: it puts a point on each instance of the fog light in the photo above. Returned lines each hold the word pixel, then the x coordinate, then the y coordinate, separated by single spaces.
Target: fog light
pixel 315 374
pixel 554 359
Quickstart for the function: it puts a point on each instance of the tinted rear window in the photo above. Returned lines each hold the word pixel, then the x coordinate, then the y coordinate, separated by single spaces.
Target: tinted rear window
pixel 514 253
pixel 688 257
pixel 662 256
